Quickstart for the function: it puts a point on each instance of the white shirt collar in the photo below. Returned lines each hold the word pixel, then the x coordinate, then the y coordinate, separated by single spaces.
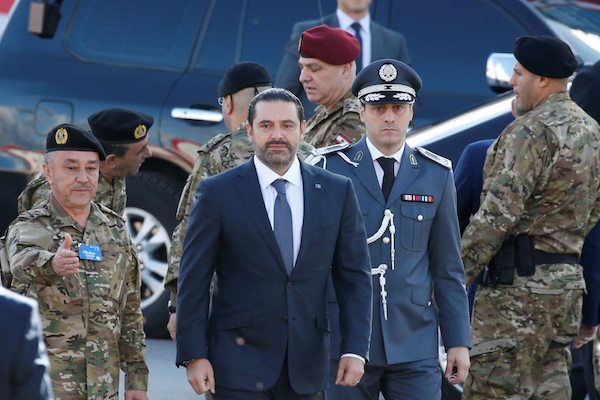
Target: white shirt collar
pixel 266 176
pixel 375 153
pixel 345 21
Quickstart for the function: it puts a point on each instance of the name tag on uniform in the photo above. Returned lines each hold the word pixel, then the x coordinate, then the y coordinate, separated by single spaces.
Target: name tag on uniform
pixel 90 252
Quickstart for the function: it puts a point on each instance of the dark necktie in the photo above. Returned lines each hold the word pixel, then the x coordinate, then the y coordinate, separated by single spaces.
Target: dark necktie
pixel 282 223
pixel 359 62
pixel 387 164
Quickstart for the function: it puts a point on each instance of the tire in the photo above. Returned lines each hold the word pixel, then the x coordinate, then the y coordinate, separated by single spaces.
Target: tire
pixel 152 199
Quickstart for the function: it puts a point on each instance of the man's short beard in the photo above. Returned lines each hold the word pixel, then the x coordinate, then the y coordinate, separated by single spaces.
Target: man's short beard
pixel 276 160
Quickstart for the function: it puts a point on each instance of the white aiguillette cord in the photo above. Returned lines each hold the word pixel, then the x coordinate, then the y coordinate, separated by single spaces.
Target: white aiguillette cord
pixel 388 220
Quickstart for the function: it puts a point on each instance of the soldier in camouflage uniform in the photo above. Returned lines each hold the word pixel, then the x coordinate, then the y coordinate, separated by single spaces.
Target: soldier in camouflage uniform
pixel 123 134
pixel 541 182
pixel 76 259
pixel 328 68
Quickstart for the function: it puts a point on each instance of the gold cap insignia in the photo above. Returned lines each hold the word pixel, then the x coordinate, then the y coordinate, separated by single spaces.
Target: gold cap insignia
pixel 388 72
pixel 61 136
pixel 140 131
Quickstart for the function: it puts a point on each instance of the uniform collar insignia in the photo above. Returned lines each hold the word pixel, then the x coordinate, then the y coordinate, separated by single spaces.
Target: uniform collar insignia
pixel 413 160
pixel 359 156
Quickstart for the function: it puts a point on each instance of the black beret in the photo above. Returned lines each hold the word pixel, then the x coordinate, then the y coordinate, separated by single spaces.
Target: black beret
pixel 67 137
pixel 386 81
pixel 585 90
pixel 334 46
pixel 119 126
pixel 241 76
pixel 545 56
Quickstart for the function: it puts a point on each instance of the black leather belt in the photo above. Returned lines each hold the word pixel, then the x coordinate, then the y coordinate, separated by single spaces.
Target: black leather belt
pixel 541 257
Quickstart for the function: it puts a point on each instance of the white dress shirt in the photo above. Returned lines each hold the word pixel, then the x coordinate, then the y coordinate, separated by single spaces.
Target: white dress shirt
pixel 375 154
pixel 365 32
pixel 293 193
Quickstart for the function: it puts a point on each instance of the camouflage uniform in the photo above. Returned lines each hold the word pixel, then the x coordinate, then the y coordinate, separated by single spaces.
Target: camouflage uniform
pixel 222 152
pixel 541 178
pixel 110 194
pixel 339 124
pixel 92 321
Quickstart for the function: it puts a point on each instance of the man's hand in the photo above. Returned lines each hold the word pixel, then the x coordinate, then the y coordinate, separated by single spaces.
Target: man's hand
pixel 586 334
pixel 172 325
pixel 458 365
pixel 136 395
pixel 201 376
pixel 350 371
pixel 65 262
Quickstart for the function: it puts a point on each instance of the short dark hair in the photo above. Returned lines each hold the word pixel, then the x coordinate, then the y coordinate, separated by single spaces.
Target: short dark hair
pixel 118 149
pixel 275 94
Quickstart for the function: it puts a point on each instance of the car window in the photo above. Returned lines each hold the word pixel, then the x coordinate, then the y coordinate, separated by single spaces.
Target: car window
pixel 125 32
pixel 461 48
pixel 239 30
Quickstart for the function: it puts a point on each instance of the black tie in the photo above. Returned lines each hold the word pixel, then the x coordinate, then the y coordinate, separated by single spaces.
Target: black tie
pixel 387 164
pixel 282 225
pixel 359 62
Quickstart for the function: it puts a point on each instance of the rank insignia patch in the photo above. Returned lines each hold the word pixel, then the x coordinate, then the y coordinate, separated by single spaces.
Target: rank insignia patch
pixel 421 198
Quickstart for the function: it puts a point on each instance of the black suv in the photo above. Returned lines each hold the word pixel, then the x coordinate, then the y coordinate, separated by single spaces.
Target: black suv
pixel 62 61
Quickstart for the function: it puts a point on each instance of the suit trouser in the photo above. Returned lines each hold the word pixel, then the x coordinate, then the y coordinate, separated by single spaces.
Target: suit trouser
pixel 418 380
pixel 520 339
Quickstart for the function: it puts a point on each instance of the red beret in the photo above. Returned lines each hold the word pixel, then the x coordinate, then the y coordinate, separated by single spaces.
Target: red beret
pixel 332 45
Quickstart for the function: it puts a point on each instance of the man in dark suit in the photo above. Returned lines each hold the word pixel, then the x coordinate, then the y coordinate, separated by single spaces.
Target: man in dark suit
pixel 273 230
pixel 376 41
pixel 24 363
pixel 408 200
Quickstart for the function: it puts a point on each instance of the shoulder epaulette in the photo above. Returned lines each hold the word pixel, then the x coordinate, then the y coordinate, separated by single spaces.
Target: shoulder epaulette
pixel 351 104
pixel 214 142
pixel 109 211
pixel 322 151
pixel 434 157
pixel 34 213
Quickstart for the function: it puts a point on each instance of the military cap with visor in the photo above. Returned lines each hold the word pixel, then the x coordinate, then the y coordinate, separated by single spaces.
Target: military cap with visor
pixel 545 56
pixel 241 76
pixel 386 81
pixel 67 137
pixel 332 45
pixel 120 126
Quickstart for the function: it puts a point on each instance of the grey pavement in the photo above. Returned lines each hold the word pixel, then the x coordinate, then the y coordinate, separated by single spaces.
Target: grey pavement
pixel 166 382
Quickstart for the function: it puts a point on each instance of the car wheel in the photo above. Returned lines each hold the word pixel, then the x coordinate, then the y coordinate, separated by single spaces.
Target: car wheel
pixel 152 199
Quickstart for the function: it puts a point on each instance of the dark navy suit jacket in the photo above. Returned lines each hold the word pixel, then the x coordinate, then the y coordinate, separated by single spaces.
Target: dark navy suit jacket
pixel 385 43
pixel 469 182
pixel 23 363
pixel 427 257
pixel 258 313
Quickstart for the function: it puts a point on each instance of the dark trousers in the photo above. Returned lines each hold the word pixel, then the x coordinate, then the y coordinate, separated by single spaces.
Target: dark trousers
pixel 582 373
pixel 281 390
pixel 417 380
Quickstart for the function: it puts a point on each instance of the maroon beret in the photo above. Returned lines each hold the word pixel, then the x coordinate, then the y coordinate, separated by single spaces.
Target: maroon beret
pixel 332 45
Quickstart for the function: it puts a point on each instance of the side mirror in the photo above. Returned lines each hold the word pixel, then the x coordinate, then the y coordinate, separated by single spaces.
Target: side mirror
pixel 43 19
pixel 498 71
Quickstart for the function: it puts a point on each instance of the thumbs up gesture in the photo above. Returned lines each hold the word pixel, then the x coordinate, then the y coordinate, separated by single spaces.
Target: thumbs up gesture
pixel 65 262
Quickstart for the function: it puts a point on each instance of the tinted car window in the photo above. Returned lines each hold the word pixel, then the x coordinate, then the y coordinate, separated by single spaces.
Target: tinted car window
pixel 239 29
pixel 121 32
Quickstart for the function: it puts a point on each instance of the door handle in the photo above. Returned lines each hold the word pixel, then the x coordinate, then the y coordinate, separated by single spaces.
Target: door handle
pixel 196 114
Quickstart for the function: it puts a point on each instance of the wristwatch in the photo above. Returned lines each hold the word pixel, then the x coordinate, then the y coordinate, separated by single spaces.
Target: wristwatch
pixel 171 308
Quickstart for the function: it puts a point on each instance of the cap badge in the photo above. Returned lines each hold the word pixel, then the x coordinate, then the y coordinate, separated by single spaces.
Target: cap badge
pixel 388 72
pixel 140 131
pixel 61 136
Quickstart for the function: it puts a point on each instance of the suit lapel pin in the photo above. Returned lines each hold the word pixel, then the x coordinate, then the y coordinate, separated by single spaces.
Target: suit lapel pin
pixel 317 186
pixel 358 156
